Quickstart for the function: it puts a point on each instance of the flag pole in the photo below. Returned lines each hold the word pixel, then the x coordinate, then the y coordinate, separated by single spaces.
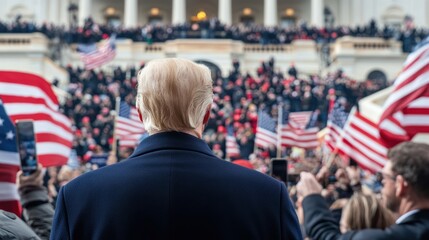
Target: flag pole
pixel 114 152
pixel 279 123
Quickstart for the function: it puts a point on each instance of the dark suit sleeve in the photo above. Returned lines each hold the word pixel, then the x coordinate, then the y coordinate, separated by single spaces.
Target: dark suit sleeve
pixel 288 219
pixel 60 226
pixel 318 220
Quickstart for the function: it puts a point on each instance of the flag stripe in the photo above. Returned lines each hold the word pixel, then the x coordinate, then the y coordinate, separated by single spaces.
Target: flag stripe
pixel 35 100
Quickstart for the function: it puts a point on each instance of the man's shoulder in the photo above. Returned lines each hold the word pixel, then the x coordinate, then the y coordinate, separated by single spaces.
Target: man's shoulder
pixel 396 231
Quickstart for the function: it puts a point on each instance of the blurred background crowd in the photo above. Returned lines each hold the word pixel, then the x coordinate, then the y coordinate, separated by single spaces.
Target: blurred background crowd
pixel 213 29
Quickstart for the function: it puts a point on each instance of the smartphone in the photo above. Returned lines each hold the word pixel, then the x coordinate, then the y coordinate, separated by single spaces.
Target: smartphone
pixel 26 142
pixel 278 169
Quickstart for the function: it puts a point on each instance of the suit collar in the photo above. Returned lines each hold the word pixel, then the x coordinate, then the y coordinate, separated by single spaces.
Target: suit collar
pixel 172 140
pixel 419 215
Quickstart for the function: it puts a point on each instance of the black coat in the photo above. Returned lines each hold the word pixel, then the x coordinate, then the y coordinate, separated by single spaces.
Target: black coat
pixel 173 187
pixel 320 224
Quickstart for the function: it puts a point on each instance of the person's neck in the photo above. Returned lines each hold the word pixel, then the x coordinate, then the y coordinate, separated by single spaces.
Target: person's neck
pixel 408 205
pixel 197 132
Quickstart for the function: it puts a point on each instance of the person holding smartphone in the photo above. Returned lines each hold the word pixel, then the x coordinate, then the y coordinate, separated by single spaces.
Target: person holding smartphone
pixel 38 212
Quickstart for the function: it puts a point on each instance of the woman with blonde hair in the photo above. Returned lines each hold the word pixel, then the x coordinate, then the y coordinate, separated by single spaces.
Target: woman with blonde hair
pixel 365 211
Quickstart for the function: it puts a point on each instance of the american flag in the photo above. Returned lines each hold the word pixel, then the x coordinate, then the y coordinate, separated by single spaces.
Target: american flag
pixel 295 130
pixel 361 141
pixel 336 120
pixel 232 148
pixel 104 53
pixel 27 96
pixel 9 165
pixel 129 128
pixel 406 110
pixel 266 130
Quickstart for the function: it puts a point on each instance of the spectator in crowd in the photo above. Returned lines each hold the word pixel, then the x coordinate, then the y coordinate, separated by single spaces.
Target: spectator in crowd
pixel 364 211
pixel 404 192
pixel 170 186
pixel 38 212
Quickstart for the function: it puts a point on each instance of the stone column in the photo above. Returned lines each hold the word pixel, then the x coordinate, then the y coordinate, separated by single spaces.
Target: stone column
pixel 270 13
pixel 54 11
pixel 179 12
pixel 225 12
pixel 317 8
pixel 130 13
pixel 64 13
pixel 84 10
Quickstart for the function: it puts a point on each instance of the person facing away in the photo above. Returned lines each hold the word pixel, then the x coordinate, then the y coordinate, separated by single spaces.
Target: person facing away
pixel 364 210
pixel 173 186
pixel 404 192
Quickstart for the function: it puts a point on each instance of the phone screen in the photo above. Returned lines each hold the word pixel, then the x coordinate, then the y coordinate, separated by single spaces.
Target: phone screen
pixel 279 169
pixel 26 142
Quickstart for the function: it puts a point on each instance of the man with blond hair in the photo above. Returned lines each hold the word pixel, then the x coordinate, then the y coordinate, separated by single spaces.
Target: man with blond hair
pixel 173 186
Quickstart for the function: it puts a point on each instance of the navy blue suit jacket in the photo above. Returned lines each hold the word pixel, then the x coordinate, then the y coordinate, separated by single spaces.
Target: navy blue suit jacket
pixel 173 187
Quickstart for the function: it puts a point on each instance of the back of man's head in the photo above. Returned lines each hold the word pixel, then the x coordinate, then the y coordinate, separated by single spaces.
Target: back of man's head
pixel 173 94
pixel 411 160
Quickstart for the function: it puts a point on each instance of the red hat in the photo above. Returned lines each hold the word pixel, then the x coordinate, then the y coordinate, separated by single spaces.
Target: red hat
pixel 85 119
pixel 216 146
pixel 221 129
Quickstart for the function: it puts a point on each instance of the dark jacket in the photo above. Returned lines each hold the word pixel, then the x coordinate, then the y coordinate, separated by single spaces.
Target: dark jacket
pixel 320 224
pixel 173 187
pixel 38 213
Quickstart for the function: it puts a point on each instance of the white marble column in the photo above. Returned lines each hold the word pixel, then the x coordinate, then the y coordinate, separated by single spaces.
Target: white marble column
pixel 179 12
pixel 64 13
pixel 225 12
pixel 317 8
pixel 84 10
pixel 130 13
pixel 54 11
pixel 270 12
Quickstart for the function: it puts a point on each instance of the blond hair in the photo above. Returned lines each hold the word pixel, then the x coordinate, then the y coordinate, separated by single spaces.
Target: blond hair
pixel 173 94
pixel 364 211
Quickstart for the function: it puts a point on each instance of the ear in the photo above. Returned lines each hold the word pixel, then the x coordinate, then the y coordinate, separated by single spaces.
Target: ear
pixel 401 186
pixel 207 116
pixel 140 115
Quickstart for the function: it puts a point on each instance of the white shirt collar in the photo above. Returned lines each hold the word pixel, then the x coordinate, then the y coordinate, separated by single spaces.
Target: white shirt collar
pixel 405 215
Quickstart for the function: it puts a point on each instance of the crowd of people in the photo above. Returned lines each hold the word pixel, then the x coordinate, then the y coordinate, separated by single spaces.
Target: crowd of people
pixel 213 28
pixel 332 199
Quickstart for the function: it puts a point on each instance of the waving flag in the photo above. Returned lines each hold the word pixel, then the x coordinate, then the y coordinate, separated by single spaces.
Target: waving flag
pixel 406 110
pixel 232 148
pixel 9 165
pixel 361 141
pixel 336 121
pixel 295 130
pixel 94 57
pixel 129 128
pixel 266 130
pixel 27 96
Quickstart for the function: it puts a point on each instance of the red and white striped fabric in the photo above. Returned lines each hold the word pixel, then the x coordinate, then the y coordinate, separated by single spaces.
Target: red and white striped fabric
pixel 27 96
pixel 302 138
pixel 232 149
pixel 9 165
pixel 129 128
pixel 333 135
pixel 406 110
pixel 266 135
pixel 293 131
pixel 300 119
pixel 104 53
pixel 361 141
